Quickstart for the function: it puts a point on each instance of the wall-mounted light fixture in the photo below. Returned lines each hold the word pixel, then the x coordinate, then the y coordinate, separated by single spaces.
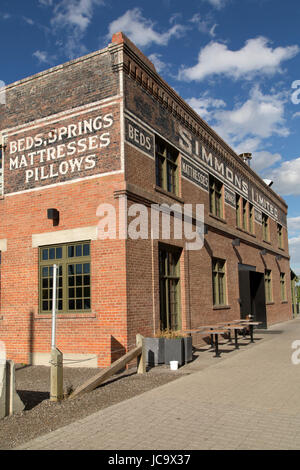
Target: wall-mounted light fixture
pixel 263 252
pixel 236 242
pixel 205 229
pixel 53 214
pixel 268 182
pixel 278 257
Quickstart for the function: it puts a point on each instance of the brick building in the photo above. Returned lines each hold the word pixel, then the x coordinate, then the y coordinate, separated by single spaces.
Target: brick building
pixel 107 129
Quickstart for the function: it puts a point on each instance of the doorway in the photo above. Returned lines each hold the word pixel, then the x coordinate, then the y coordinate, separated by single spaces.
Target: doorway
pixel 252 294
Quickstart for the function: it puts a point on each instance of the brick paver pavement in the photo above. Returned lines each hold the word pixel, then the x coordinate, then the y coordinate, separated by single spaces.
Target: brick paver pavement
pixel 249 400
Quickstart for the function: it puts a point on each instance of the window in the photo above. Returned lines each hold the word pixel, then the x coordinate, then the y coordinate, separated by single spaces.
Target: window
pixel 238 210
pixel 169 278
pixel 216 197
pixel 251 218
pixel 219 282
pixel 265 227
pixel 268 285
pixel 282 286
pixel 245 215
pixel 280 236
pixel 73 277
pixel 166 160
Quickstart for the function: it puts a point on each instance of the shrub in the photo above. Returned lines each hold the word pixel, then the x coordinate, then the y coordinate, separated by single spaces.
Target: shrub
pixel 170 334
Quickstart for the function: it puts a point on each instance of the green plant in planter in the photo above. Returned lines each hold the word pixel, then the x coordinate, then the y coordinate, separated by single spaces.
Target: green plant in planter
pixel 170 334
pixel 177 346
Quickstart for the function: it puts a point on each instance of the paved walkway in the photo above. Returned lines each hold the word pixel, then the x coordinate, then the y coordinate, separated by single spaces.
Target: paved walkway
pixel 249 400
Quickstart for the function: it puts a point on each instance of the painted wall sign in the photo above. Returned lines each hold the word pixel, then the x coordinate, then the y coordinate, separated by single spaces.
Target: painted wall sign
pixel 207 159
pixel 137 135
pixel 195 174
pixel 230 197
pixel 66 149
pixel 258 216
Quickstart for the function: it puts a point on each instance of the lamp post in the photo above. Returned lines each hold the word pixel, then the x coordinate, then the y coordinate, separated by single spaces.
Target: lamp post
pixel 56 374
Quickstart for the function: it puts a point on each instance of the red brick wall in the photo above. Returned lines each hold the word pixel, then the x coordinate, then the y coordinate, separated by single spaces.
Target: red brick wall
pixel 125 277
pixel 21 323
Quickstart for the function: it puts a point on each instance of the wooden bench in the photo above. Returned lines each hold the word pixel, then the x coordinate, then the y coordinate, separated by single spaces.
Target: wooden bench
pixel 244 323
pixel 224 327
pixel 213 332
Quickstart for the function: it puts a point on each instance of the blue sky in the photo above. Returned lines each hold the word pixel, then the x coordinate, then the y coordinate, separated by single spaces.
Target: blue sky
pixel 233 61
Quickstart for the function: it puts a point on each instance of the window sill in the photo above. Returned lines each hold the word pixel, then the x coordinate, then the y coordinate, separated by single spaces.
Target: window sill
pixel 167 193
pixel 219 219
pixel 267 241
pixel 270 303
pixel 66 316
pixel 284 302
pixel 221 307
pixel 245 231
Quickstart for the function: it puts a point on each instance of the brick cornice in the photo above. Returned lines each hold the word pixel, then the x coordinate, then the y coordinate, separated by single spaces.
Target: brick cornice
pixel 145 75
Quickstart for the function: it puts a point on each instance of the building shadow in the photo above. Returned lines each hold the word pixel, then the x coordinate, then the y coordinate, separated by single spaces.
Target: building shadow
pixel 31 398
pixel 116 348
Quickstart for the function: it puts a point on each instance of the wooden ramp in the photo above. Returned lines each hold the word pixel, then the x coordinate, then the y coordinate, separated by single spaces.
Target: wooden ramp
pixel 98 379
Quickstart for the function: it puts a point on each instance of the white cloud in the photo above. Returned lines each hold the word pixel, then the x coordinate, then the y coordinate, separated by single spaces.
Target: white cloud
pixel 264 159
pixel 293 225
pixel 261 116
pixel 296 114
pixel 256 57
pixel 247 125
pixel 72 18
pixel 43 57
pixel 74 13
pixel 158 63
pixel 46 3
pixel 205 26
pixel 217 3
pixel 294 250
pixel 205 106
pixel 141 30
pixel 5 16
pixel 28 21
pixel 287 177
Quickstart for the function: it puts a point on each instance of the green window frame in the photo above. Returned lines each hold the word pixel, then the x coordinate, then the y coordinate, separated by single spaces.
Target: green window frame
pixel 244 214
pixel 219 281
pixel 169 288
pixel 238 210
pixel 73 277
pixel 268 285
pixel 251 218
pixel 265 227
pixel 166 162
pixel 280 236
pixel 282 286
pixel 215 197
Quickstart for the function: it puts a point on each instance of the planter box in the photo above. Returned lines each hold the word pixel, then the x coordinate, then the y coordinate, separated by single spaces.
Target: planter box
pixel 164 350
pixel 155 351
pixel 188 349
pixel 174 351
pixel 180 350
